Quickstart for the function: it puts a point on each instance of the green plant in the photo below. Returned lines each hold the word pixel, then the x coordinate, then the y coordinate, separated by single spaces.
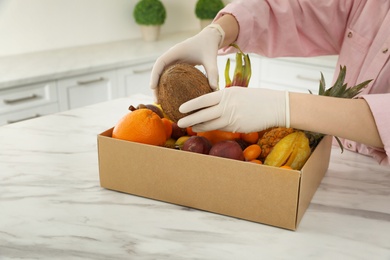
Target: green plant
pixel 208 9
pixel 149 12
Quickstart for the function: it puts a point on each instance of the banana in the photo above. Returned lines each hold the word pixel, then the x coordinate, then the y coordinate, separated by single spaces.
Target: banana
pixel 161 109
pixel 181 140
pixel 170 143
pixel 293 150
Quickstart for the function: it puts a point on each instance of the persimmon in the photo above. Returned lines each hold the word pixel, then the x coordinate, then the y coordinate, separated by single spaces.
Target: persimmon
pixel 190 131
pixel 252 152
pixel 251 137
pixel 216 136
pixel 256 161
pixel 168 126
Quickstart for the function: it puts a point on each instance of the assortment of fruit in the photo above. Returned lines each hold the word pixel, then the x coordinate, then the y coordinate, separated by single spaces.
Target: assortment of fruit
pixel 279 146
pixel 285 147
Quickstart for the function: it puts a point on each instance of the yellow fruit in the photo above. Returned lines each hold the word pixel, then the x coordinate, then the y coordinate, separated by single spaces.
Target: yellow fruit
pixel 270 138
pixel 170 143
pixel 181 140
pixel 293 150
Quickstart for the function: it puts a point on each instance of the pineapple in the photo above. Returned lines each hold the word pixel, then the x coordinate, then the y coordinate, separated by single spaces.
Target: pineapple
pixel 270 138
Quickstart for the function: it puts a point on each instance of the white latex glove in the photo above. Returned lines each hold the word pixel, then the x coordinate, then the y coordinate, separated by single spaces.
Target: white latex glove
pixel 237 109
pixel 201 49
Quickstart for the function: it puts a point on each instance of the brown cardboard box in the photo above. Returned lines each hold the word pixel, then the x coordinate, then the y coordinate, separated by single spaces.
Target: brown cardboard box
pixel 249 191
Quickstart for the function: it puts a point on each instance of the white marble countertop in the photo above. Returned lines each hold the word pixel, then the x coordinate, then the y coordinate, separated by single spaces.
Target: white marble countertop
pixel 52 205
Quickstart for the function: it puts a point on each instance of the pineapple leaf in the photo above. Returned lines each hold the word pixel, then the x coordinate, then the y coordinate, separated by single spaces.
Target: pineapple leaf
pixel 340 90
pixel 321 91
pixel 340 144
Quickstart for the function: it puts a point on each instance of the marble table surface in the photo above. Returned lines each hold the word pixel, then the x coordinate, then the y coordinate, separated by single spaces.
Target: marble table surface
pixel 52 206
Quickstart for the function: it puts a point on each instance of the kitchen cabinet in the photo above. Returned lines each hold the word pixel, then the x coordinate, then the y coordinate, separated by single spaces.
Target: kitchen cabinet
pixel 87 89
pixel 24 102
pixel 297 75
pixel 135 79
pixel 292 74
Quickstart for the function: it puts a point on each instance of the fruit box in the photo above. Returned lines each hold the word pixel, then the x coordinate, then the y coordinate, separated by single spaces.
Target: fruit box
pixel 249 191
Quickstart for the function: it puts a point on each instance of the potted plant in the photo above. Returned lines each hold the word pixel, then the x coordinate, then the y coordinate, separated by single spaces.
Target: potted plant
pixel 206 10
pixel 149 15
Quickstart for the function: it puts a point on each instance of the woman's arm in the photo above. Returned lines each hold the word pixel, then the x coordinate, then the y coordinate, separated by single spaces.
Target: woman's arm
pixel 231 28
pixel 346 118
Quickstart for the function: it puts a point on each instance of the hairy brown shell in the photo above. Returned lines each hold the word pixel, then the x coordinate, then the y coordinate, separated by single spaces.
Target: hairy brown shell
pixel 178 84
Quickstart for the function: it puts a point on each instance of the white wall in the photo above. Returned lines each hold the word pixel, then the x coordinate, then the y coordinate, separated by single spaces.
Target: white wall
pixel 36 25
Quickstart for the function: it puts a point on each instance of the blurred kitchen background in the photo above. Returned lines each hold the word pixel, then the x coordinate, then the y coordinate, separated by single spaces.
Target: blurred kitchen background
pixel 36 25
pixel 57 55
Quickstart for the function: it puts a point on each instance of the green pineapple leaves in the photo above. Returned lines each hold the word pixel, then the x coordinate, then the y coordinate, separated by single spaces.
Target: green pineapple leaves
pixel 340 90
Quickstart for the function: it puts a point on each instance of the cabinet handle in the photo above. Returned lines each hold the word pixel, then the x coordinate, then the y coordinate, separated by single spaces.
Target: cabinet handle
pixel 140 71
pixel 22 119
pixel 21 99
pixel 308 78
pixel 86 82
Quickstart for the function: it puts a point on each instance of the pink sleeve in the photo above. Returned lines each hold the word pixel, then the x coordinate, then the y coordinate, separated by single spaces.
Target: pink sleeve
pixel 290 28
pixel 380 107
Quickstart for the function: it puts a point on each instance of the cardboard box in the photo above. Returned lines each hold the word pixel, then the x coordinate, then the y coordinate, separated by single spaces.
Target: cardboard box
pixel 249 191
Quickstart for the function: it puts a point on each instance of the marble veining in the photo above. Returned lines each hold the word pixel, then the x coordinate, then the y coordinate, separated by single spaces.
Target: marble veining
pixel 52 206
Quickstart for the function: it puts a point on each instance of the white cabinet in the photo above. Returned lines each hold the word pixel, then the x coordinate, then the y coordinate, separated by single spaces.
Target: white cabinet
pixel 135 79
pixel 293 74
pixel 87 89
pixel 24 102
pixel 297 75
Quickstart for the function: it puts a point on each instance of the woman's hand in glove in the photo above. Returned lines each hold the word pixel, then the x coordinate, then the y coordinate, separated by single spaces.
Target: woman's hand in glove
pixel 200 49
pixel 237 109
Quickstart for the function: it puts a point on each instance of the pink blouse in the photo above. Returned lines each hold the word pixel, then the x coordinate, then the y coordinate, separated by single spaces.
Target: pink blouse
pixel 356 30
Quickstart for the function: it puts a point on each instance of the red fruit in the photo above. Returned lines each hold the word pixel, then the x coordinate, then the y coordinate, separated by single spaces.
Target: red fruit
pixel 227 149
pixel 197 144
pixel 177 131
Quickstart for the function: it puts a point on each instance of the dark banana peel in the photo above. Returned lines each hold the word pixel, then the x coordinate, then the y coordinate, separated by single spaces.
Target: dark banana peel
pixel 293 150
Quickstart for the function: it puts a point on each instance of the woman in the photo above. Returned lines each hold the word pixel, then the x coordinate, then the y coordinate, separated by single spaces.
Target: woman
pixel 357 30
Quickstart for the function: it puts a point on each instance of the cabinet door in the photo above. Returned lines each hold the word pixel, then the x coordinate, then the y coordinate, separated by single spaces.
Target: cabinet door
pixel 21 98
pixel 26 102
pixel 30 113
pixel 294 76
pixel 87 89
pixel 135 79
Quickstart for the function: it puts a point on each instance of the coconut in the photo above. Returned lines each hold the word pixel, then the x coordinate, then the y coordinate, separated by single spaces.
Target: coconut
pixel 178 84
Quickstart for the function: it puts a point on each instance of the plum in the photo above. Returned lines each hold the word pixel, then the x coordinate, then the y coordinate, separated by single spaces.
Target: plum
pixel 177 131
pixel 227 149
pixel 197 144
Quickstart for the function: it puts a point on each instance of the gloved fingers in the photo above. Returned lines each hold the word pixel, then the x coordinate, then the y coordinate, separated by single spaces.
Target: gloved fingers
pixel 155 95
pixel 207 100
pixel 200 116
pixel 211 68
pixel 157 70
pixel 218 123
